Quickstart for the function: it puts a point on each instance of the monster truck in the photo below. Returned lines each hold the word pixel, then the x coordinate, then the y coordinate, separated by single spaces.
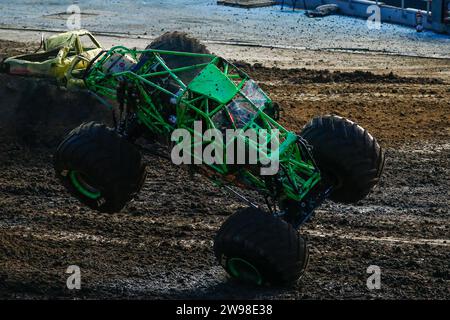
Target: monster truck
pixel 174 83
pixel 62 57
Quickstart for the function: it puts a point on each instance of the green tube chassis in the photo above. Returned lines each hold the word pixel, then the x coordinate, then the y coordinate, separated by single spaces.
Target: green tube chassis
pixel 163 101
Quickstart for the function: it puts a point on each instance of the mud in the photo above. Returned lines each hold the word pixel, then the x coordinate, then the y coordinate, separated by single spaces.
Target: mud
pixel 160 246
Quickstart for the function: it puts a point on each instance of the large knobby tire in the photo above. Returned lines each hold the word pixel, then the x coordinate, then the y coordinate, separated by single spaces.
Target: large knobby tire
pixel 350 159
pixel 101 169
pixel 181 42
pixel 258 248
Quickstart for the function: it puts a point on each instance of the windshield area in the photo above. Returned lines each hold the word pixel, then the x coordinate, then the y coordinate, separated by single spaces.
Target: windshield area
pixel 252 91
pixel 243 108
pixel 241 112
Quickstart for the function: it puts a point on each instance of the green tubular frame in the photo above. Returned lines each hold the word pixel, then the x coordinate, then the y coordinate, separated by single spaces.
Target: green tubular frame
pixel 297 175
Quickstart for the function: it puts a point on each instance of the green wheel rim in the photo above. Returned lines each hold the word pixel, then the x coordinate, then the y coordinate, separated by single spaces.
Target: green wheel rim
pixel 244 270
pixel 79 182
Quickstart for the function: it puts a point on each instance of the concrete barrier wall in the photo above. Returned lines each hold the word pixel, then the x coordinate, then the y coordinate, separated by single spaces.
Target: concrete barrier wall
pixel 389 13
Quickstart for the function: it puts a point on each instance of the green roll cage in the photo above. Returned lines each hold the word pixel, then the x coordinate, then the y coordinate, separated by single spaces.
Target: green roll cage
pixel 210 95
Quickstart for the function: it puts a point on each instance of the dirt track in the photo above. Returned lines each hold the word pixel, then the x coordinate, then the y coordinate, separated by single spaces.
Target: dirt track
pixel 160 245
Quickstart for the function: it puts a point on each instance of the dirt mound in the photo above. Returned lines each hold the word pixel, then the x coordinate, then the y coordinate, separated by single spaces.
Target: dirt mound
pixel 36 112
pixel 304 76
pixel 358 76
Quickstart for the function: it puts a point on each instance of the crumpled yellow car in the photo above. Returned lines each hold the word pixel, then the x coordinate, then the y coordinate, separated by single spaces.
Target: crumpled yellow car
pixel 63 57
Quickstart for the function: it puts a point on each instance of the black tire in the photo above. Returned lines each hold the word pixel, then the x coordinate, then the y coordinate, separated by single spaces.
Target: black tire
pixel 101 169
pixel 348 156
pixel 258 248
pixel 182 42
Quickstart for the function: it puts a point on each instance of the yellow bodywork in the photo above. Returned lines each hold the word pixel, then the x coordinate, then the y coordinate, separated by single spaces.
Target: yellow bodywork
pixel 63 58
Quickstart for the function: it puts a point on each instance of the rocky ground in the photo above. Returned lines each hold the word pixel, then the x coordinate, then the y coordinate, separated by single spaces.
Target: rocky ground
pixel 160 246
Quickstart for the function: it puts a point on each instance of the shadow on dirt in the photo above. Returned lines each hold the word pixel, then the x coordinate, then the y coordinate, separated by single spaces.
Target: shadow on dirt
pixel 229 289
pixel 37 113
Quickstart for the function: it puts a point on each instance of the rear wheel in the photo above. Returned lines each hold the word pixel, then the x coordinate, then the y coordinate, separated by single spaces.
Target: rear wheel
pixel 182 42
pixel 101 169
pixel 258 248
pixel 350 159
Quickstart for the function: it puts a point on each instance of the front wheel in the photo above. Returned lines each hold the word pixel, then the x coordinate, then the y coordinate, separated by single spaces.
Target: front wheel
pixel 258 248
pixel 349 157
pixel 98 167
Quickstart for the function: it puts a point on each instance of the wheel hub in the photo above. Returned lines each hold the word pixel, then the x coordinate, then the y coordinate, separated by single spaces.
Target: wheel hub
pixel 82 184
pixel 244 270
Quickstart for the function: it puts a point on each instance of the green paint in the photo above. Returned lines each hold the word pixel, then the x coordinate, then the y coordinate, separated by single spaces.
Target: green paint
pixel 82 186
pixel 244 270
pixel 214 84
